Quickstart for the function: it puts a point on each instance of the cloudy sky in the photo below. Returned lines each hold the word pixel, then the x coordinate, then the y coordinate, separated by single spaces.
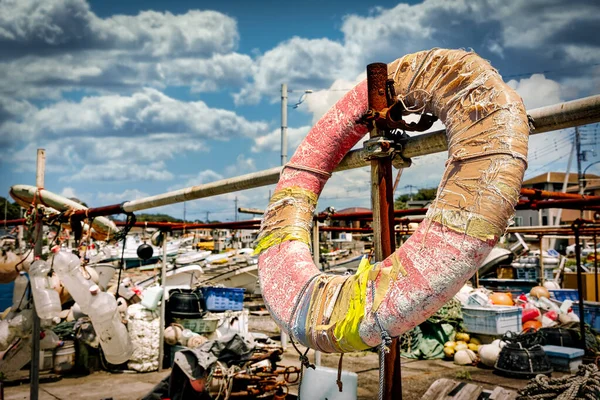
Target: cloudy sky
pixel 135 98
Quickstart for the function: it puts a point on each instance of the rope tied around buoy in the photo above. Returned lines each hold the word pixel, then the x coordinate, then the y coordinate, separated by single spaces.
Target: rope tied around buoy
pixel 585 384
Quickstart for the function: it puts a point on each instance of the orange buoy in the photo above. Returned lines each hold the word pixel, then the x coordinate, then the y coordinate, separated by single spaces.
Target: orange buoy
pixel 533 324
pixel 502 299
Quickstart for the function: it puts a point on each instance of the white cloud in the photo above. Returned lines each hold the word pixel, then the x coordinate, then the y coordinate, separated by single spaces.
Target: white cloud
pixel 127 195
pixel 205 176
pixel 243 165
pixel 143 113
pixel 272 141
pixel 121 172
pixel 55 25
pixel 537 91
pixel 68 192
pixel 301 63
pixel 59 45
pixel 320 101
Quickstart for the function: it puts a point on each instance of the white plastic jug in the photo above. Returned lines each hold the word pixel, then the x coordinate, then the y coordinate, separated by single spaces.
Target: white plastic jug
pixel 111 332
pixel 46 300
pixel 151 297
pixel 19 295
pixel 320 384
pixel 68 268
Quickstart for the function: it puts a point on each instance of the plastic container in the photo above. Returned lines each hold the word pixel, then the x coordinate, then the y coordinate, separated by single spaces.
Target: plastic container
pixel 111 332
pixel 530 314
pixel 50 340
pixel 493 320
pixel 320 384
pixel 564 294
pixel 549 274
pixel 564 359
pixel 591 313
pixel 68 268
pixel 223 299
pixel 186 303
pixel 64 358
pixel 46 300
pixel 46 360
pixel 527 273
pixel 20 292
pixel 198 325
pixel 151 297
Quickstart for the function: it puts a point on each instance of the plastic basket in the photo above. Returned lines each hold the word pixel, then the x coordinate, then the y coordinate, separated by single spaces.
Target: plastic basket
pixel 199 325
pixel 548 274
pixel 494 320
pixel 223 299
pixel 591 314
pixel 564 294
pixel 527 273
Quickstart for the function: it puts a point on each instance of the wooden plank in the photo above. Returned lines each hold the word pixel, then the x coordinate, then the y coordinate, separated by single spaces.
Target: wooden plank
pixel 448 389
pixel 469 392
pixel 503 394
pixel 439 389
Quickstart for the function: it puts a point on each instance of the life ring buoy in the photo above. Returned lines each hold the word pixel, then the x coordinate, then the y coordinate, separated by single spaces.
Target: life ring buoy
pixel 487 132
pixel 102 227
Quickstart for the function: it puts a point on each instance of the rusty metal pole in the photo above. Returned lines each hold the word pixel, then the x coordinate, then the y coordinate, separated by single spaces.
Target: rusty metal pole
pixel 542 272
pixel 382 199
pixel 596 264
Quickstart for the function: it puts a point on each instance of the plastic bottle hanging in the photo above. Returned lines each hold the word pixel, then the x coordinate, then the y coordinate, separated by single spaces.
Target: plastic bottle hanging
pixel 46 300
pixel 20 292
pixel 111 332
pixel 68 268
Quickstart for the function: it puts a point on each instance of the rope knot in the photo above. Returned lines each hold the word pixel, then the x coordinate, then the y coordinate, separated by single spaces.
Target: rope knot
pixel 386 341
pixel 306 362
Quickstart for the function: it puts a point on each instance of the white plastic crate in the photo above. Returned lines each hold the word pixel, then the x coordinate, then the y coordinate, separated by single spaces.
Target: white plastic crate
pixel 549 274
pixel 198 325
pixel 493 320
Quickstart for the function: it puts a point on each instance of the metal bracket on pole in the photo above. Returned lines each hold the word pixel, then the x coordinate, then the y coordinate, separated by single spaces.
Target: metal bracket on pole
pixel 378 147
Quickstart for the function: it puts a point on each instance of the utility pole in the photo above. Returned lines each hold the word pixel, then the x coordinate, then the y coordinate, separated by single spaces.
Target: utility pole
pixel 236 208
pixel 410 187
pixel 284 106
pixel 579 158
pixel 207 220
pixel 184 212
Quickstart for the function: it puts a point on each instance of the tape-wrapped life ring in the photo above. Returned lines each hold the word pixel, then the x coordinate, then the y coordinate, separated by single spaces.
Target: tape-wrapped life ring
pixel 487 132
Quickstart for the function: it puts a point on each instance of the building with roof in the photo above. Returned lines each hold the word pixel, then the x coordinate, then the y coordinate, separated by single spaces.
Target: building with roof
pixel 554 182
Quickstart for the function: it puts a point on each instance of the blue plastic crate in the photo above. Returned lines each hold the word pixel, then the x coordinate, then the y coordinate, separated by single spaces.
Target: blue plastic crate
pixel 527 273
pixel 223 299
pixel 591 314
pixel 493 320
pixel 564 294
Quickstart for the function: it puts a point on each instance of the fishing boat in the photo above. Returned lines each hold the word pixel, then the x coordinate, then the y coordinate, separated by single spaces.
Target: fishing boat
pixel 185 277
pixel 337 254
pixel 238 276
pixel 192 257
pixel 114 253
pixel 221 258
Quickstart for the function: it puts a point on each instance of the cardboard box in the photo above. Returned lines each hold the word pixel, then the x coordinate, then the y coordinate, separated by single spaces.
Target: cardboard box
pixel 589 287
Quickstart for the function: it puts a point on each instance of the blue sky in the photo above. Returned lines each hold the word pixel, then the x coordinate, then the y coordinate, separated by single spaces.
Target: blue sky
pixel 136 98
